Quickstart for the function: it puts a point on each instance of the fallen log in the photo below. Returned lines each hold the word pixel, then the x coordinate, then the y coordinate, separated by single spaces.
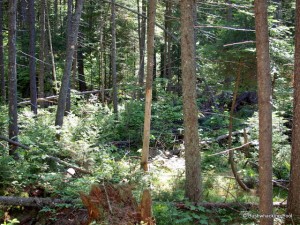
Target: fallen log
pixel 221 205
pixel 54 97
pixel 33 202
pixel 48 156
pixel 14 142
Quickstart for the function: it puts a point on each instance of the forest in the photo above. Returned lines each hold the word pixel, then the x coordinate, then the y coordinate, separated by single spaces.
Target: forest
pixel 149 112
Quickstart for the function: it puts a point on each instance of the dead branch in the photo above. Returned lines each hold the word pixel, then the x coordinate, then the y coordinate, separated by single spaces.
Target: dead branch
pixel 14 142
pixel 226 28
pixel 232 149
pixel 69 165
pixel 54 97
pixel 211 205
pixel 31 201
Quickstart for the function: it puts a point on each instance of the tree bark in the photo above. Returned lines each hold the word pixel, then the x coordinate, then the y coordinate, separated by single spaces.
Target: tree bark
pixel 114 57
pixel 81 76
pixel 31 201
pixel 193 186
pixel 41 75
pixel 12 76
pixel 265 112
pixel 149 81
pixel 293 202
pixel 142 45
pixel 231 153
pixel 2 74
pixel 72 41
pixel 32 61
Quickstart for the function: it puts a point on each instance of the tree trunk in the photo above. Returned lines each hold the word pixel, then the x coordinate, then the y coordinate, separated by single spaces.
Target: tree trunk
pixel 142 45
pixel 32 62
pixel 69 30
pixel 41 75
pixel 2 73
pixel 293 202
pixel 231 153
pixel 265 111
pixel 12 76
pixel 190 111
pixel 72 41
pixel 114 57
pixel 81 76
pixel 55 88
pixel 149 81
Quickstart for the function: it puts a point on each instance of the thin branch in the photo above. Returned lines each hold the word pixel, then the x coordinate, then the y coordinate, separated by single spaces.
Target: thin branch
pixel 239 43
pixel 37 59
pixel 226 28
pixel 232 149
pixel 141 15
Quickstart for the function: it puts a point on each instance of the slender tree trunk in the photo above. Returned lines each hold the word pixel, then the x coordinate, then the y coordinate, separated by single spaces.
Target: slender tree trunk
pixel 149 81
pixel 52 53
pixel 32 61
pixel 142 45
pixel 41 75
pixel 231 153
pixel 12 76
pixel 2 74
pixel 265 112
pixel 72 41
pixel 114 57
pixel 146 204
pixel 293 202
pixel 81 76
pixel 190 111
pixel 69 30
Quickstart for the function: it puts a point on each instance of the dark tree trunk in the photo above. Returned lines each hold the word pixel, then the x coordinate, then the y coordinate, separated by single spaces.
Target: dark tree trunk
pixel 12 76
pixel 32 61
pixel 70 12
pixel 41 75
pixel 293 202
pixel 265 111
pixel 114 57
pixel 65 84
pixel 193 187
pixel 81 76
pixel 2 74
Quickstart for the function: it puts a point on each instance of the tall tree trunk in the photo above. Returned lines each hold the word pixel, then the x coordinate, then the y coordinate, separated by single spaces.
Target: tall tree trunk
pixel 2 74
pixel 81 76
pixel 146 204
pixel 69 30
pixel 230 128
pixel 72 41
pixel 12 75
pixel 32 61
pixel 149 81
pixel 55 88
pixel 142 45
pixel 193 187
pixel 293 202
pixel 114 56
pixel 41 76
pixel 265 111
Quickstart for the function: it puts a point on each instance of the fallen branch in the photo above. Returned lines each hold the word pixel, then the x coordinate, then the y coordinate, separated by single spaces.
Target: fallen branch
pixel 14 142
pixel 232 149
pixel 68 165
pixel 31 201
pixel 48 156
pixel 53 97
pixel 211 205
